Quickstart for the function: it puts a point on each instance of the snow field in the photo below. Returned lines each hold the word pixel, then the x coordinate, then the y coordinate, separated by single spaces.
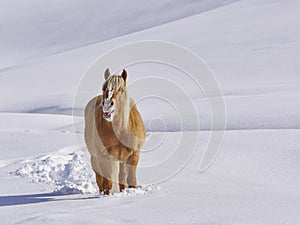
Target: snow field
pixel 252 46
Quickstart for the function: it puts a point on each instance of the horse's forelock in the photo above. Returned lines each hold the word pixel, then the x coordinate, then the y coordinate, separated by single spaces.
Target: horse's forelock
pixel 114 83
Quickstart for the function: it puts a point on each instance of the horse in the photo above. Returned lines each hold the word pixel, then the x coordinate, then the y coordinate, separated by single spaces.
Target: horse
pixel 114 135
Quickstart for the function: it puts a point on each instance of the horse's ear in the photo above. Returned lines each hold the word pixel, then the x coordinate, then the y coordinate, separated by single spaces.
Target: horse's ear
pixel 124 75
pixel 106 73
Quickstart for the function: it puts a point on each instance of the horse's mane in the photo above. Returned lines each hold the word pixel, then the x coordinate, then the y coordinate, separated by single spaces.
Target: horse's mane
pixel 114 83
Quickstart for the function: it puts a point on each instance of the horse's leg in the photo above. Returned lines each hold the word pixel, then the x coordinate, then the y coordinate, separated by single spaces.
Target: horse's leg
pixel 107 184
pixel 99 178
pixel 115 176
pixel 131 168
pixel 105 173
pixel 122 176
pixel 109 172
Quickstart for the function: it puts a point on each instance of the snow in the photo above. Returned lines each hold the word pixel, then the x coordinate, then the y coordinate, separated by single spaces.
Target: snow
pixel 67 170
pixel 33 28
pixel 252 47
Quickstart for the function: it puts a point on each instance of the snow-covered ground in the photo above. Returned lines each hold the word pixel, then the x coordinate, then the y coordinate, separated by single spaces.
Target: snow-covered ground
pixel 252 46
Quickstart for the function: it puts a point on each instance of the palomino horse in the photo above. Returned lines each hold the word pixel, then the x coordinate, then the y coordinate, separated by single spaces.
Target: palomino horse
pixel 114 135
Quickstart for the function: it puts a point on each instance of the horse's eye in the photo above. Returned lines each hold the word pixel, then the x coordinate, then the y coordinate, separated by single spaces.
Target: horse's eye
pixel 112 103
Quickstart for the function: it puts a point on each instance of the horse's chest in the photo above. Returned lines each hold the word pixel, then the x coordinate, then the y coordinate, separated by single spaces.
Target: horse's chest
pixel 116 149
pixel 108 138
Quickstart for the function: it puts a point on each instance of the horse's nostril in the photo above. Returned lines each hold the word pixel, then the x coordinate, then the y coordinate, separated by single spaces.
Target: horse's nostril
pixel 112 103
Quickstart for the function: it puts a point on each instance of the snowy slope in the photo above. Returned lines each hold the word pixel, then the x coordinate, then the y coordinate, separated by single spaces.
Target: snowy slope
pixel 30 29
pixel 252 47
pixel 246 78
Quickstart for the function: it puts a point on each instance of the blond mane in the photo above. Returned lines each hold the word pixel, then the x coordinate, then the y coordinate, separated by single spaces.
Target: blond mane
pixel 114 83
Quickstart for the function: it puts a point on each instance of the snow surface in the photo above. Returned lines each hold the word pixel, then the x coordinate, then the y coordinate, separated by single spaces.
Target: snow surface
pixel 252 47
pixel 37 28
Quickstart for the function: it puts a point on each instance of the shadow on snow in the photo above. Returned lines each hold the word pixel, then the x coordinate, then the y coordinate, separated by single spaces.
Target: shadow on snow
pixel 14 200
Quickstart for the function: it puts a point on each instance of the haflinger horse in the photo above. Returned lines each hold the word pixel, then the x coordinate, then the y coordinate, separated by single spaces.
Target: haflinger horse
pixel 114 135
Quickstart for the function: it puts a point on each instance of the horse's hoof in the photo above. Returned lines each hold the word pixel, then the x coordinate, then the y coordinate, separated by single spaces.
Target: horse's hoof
pixel 122 187
pixel 132 186
pixel 106 192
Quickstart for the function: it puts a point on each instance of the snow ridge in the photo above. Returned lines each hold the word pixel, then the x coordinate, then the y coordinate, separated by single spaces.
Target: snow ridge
pixel 67 170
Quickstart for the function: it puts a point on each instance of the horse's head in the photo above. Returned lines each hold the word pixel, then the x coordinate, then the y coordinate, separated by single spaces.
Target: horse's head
pixel 113 89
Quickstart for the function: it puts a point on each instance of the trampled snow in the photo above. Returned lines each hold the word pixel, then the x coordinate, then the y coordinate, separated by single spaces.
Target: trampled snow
pixel 67 170
pixel 252 46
